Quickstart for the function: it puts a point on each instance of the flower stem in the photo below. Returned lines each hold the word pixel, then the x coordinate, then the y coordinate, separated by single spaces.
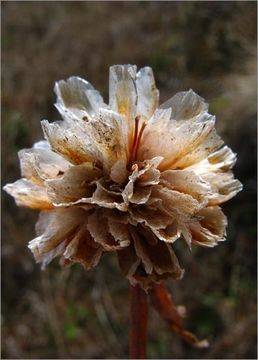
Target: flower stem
pixel 138 330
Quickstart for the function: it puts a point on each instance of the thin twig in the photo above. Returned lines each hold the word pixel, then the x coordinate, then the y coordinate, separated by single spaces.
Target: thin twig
pixel 163 303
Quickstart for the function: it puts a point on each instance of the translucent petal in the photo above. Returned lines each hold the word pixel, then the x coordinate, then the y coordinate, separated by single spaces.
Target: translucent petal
pixel 122 90
pixel 216 171
pixel 186 105
pixel 119 172
pixel 104 140
pixel 223 186
pixel 176 203
pixel 75 184
pixel 28 194
pixel 78 96
pixel 188 182
pixel 40 163
pixel 56 229
pixel 210 229
pixel 221 160
pixel 181 143
pixel 148 94
pixel 69 142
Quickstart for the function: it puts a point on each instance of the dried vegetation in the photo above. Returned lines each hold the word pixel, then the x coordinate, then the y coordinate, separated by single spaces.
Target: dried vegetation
pixel 207 46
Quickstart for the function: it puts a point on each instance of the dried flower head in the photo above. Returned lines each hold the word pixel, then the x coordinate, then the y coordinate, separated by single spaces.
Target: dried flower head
pixel 129 177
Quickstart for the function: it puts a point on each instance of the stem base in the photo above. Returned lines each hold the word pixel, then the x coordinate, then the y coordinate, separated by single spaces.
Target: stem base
pixel 138 330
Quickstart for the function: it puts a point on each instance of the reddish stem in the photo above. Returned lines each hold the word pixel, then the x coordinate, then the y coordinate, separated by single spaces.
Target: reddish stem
pixel 163 303
pixel 138 330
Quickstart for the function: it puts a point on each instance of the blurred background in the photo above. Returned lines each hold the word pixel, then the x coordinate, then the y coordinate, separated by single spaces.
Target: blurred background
pixel 207 46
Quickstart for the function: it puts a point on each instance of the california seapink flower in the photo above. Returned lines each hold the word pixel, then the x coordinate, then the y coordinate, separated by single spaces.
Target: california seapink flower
pixel 131 177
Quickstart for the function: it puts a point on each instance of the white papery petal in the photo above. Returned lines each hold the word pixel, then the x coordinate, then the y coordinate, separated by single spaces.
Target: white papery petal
pixel 122 90
pixel 186 105
pixel 71 143
pixel 78 96
pixel 123 94
pixel 223 186
pixel 42 144
pixel 221 160
pixel 111 137
pixel 29 171
pixel 105 137
pixel 176 203
pixel 26 193
pixel 210 142
pixel 210 229
pixel 104 140
pixel 74 184
pixel 216 171
pixel 102 197
pixel 181 143
pixel 119 172
pixel 40 163
pixel 55 229
pixel 187 182
pixel 148 94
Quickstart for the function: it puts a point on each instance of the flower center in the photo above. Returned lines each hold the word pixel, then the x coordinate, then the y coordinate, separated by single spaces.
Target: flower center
pixel 138 131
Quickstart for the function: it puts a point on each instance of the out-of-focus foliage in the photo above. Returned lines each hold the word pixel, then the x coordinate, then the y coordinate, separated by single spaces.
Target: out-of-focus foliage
pixel 207 46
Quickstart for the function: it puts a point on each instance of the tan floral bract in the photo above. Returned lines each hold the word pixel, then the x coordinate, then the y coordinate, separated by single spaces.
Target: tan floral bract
pixel 131 177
